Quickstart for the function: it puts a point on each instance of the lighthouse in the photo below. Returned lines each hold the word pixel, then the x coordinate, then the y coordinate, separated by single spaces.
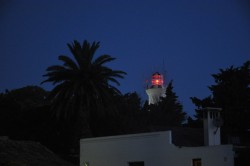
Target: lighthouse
pixel 157 89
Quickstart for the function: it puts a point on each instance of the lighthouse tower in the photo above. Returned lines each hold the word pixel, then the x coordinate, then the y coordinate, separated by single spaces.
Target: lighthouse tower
pixel 157 89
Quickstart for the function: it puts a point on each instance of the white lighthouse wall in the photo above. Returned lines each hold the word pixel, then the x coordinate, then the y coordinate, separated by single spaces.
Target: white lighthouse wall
pixel 151 148
pixel 154 94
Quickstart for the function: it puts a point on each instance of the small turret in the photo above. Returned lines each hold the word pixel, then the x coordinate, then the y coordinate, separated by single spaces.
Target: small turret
pixel 212 123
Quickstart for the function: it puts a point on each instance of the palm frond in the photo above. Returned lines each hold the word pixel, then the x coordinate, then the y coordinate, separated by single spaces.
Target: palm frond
pixel 68 62
pixel 92 50
pixel 82 83
pixel 118 73
pixel 58 76
pixel 103 59
pixel 76 51
pixel 114 81
pixel 55 67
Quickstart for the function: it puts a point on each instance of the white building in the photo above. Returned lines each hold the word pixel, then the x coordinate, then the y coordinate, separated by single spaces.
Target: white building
pixel 155 149
pixel 150 149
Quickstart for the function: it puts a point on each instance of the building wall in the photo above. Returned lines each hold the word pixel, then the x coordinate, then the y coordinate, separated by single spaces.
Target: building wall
pixel 152 148
pixel 219 155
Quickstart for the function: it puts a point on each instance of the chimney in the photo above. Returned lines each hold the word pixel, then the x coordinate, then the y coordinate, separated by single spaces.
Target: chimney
pixel 211 125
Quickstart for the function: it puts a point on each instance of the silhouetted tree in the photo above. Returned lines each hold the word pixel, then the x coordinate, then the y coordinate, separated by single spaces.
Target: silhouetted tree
pixel 128 119
pixel 231 92
pixel 168 111
pixel 25 115
pixel 206 102
pixel 132 117
pixel 83 85
pixel 27 97
pixel 15 109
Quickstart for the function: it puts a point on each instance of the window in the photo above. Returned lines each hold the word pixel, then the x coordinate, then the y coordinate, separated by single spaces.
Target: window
pixel 136 163
pixel 196 162
pixel 205 115
pixel 211 115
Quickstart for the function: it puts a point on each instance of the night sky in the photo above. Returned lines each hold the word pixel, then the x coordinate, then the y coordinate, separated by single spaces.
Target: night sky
pixel 187 40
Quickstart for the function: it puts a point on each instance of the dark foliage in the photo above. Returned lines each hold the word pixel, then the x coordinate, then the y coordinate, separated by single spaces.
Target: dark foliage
pixel 84 102
pixel 231 92
pixel 20 153
pixel 16 108
pixel 83 83
pixel 83 89
pixel 35 121
pixel 168 111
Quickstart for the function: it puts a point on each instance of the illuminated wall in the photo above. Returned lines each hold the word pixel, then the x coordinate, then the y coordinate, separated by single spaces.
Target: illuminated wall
pixel 154 149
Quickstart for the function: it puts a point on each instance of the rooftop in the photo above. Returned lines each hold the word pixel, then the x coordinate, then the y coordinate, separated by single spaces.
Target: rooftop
pixel 24 153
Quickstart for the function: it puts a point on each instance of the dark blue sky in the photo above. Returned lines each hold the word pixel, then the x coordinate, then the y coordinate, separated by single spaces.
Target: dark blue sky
pixel 189 39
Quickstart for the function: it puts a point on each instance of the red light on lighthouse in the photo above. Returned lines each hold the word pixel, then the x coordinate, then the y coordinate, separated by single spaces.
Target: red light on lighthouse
pixel 157 79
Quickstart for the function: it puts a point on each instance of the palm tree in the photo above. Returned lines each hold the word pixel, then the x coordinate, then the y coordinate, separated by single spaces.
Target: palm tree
pixel 83 84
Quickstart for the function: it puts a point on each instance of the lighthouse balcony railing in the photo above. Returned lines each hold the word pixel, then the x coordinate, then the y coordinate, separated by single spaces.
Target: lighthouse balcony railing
pixel 154 86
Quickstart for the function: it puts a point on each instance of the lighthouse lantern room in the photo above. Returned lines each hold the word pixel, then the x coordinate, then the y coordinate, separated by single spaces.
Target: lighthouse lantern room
pixel 157 79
